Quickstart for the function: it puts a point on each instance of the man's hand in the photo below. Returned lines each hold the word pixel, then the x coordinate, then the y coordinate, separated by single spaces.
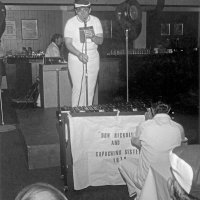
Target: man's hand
pixel 83 57
pixel 148 114
pixel 89 33
pixel 97 39
pixel 135 141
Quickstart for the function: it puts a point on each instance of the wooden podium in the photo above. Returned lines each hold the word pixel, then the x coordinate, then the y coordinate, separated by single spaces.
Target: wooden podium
pixel 49 85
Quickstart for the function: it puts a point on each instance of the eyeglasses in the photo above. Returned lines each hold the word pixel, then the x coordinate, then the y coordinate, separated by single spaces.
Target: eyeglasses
pixel 83 9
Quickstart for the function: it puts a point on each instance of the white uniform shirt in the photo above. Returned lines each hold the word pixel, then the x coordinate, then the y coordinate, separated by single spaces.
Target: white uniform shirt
pixel 158 136
pixel 52 50
pixel 72 31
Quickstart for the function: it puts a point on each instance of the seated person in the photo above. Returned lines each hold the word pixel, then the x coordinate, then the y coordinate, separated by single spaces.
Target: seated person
pixel 185 168
pixel 40 191
pixel 155 138
pixel 53 50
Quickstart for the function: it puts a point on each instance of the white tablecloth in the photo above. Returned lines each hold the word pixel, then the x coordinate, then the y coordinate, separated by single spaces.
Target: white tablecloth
pixel 155 186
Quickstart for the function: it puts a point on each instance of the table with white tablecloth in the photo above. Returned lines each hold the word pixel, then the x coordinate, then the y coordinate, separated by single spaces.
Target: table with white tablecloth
pixel 96 143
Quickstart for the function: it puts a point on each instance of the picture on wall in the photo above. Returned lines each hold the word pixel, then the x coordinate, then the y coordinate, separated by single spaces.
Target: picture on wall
pixel 10 30
pixel 29 29
pixel 178 29
pixel 165 29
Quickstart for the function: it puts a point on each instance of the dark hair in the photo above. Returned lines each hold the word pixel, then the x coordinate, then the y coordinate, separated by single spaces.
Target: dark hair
pixel 56 36
pixel 160 107
pixel 30 192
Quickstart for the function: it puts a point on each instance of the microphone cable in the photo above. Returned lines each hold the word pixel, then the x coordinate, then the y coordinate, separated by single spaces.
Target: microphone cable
pixel 82 76
pixel 84 45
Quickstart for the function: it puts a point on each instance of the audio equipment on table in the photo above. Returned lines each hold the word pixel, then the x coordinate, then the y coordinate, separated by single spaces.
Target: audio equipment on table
pixel 54 60
pixel 13 59
pixel 132 108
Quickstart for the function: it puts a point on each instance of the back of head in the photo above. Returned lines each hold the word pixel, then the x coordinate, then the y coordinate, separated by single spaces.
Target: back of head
pixel 161 107
pixel 40 191
pixel 156 108
pixel 185 166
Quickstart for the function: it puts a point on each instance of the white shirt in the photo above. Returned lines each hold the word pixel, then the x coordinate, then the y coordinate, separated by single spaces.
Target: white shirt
pixel 158 137
pixel 71 30
pixel 52 50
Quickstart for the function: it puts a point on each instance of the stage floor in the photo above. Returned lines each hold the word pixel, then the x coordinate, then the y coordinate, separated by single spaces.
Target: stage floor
pixel 38 129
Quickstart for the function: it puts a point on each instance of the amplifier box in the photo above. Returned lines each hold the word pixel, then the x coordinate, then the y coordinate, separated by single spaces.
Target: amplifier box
pixel 49 85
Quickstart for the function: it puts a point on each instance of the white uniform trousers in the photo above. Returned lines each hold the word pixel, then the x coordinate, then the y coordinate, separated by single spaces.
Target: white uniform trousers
pixel 78 76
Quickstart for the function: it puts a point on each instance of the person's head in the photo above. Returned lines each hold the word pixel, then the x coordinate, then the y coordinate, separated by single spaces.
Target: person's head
pixel 185 168
pixel 161 107
pixel 57 39
pixel 82 9
pixel 40 191
pixel 158 107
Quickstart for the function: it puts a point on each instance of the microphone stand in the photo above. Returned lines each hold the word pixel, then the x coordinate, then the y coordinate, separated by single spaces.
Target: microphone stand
pixel 127 78
pixel 58 89
pixel 86 73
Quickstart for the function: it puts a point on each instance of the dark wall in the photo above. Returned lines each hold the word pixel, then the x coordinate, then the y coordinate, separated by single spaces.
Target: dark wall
pixel 114 35
pixel 190 29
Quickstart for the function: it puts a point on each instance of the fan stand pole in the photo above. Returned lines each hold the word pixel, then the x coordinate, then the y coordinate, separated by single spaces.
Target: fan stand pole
pixel 2 119
pixel 127 74
pixel 58 88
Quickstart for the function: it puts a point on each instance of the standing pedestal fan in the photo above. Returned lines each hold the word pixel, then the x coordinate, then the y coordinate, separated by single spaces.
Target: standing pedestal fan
pixel 129 16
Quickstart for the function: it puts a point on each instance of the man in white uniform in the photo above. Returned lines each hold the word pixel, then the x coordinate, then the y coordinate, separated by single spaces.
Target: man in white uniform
pixel 83 52
pixel 155 138
pixel 53 50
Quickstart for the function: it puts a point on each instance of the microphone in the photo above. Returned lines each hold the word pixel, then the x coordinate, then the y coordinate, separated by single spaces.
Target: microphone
pixel 85 26
pixel 85 23
pixel 87 30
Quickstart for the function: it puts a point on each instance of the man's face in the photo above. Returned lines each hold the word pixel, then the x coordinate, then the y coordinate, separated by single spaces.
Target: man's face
pixel 59 41
pixel 83 13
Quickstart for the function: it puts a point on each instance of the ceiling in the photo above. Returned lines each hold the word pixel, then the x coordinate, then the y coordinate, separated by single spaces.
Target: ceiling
pixel 192 3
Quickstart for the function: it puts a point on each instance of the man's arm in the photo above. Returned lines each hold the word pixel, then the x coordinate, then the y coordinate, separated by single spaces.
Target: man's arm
pixel 184 140
pixel 182 132
pixel 97 39
pixel 81 56
pixel 135 140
